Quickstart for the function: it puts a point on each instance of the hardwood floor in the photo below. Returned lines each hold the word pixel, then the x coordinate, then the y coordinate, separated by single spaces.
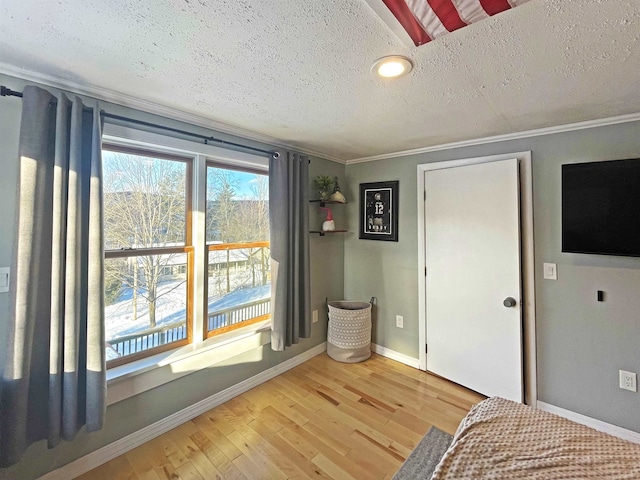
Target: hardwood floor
pixel 321 420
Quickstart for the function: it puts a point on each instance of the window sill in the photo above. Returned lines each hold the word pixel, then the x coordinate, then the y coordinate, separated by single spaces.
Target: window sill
pixel 136 377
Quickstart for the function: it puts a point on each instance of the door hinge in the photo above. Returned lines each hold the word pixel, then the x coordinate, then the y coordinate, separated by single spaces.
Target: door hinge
pixel 424 195
pixel 425 271
pixel 426 348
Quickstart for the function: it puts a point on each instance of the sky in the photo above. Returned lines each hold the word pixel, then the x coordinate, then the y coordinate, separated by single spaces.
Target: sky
pixel 242 181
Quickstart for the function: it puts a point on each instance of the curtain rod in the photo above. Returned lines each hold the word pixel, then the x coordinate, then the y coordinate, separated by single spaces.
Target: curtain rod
pixel 7 92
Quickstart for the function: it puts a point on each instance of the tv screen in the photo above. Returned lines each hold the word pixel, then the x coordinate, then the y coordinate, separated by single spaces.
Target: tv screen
pixel 601 207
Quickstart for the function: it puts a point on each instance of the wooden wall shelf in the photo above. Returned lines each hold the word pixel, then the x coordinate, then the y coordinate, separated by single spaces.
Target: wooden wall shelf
pixel 327 202
pixel 322 233
pixel 322 204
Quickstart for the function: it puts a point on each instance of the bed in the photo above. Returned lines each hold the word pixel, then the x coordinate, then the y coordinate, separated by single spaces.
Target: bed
pixel 500 439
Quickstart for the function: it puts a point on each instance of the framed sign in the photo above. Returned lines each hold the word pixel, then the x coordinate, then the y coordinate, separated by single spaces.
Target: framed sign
pixel 379 211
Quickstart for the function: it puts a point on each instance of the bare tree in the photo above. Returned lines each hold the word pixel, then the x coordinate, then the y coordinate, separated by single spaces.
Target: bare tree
pixel 221 191
pixel 221 210
pixel 145 208
pixel 253 226
pixel 252 216
pixel 233 219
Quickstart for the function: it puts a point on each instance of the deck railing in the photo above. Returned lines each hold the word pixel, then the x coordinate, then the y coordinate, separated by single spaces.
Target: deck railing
pixel 236 317
pixel 153 337
pixel 219 321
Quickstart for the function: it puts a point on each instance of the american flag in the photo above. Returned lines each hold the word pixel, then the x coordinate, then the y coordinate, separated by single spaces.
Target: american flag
pixel 425 20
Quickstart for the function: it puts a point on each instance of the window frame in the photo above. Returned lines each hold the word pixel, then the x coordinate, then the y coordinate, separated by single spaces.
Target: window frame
pixel 209 247
pixel 137 376
pixel 188 249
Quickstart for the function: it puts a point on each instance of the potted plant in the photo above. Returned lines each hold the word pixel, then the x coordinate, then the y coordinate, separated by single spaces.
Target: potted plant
pixel 324 185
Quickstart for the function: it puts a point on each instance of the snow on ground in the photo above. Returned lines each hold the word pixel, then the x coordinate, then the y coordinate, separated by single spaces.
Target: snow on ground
pixel 170 308
pixel 240 297
pixel 171 305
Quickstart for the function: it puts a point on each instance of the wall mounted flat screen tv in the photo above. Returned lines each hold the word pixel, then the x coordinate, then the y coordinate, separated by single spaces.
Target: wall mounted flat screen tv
pixel 601 207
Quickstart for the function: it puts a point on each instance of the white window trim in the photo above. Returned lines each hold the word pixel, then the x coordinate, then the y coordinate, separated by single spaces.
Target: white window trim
pixel 141 375
pixel 149 140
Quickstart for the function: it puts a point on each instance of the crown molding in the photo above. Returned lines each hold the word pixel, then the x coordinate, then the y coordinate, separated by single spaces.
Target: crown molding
pixel 569 127
pixel 200 121
pixel 153 108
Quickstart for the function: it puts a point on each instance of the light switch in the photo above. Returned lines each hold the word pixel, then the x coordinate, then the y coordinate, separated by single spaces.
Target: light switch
pixel 4 279
pixel 550 271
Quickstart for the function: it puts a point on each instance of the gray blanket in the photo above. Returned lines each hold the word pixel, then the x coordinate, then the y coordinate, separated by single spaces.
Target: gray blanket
pixel 421 463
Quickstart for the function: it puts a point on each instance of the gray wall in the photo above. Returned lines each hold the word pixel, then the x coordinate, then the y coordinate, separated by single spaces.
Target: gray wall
pixel 127 416
pixel 581 344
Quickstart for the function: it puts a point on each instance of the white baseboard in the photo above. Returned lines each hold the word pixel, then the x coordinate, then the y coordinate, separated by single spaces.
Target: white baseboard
pixel 591 422
pixel 123 445
pixel 397 356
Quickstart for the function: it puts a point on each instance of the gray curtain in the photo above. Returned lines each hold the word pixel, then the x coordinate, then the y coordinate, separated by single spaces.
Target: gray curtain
pixel 54 380
pixel 289 226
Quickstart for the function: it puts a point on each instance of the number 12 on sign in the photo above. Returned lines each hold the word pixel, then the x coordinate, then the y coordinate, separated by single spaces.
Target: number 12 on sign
pixel 379 211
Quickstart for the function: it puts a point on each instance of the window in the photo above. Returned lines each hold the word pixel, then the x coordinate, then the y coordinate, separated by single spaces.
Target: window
pixel 148 252
pixel 237 235
pixel 174 276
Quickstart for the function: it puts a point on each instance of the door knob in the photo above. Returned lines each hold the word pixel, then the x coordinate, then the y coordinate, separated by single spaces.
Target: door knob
pixel 509 302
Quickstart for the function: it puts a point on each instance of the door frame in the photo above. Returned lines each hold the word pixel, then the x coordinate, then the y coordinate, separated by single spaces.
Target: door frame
pixel 527 259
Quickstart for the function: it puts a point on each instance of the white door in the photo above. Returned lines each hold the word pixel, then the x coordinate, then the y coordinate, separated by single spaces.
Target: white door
pixel 472 233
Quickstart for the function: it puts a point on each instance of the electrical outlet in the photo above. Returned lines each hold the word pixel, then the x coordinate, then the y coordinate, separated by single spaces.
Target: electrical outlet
pixel 314 316
pixel 399 321
pixel 628 381
pixel 4 279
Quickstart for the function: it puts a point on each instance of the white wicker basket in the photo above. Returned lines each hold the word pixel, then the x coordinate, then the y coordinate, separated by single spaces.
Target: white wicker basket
pixel 349 331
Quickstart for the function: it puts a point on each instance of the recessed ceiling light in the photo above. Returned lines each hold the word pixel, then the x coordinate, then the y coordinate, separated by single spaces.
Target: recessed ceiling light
pixel 392 66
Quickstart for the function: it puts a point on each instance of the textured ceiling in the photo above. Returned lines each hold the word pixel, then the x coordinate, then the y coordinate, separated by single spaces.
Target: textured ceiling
pixel 297 71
